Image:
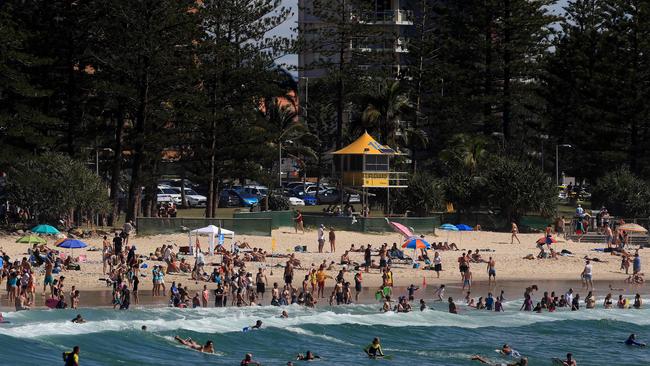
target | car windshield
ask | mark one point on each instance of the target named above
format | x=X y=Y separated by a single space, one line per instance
x=190 y=192
x=264 y=192
x=169 y=191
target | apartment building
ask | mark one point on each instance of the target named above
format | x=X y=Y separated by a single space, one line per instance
x=381 y=40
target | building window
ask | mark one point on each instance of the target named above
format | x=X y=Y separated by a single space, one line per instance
x=376 y=163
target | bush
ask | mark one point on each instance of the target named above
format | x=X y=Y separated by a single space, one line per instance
x=52 y=185
x=423 y=195
x=278 y=203
x=516 y=188
x=623 y=194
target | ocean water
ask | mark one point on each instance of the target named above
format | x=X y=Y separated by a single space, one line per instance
x=337 y=334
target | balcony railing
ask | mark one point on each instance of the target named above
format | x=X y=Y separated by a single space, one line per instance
x=384 y=17
x=367 y=44
x=375 y=179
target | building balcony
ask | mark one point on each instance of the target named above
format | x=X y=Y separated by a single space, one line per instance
x=378 y=44
x=381 y=179
x=388 y=17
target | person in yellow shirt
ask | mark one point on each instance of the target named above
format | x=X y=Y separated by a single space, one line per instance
x=71 y=358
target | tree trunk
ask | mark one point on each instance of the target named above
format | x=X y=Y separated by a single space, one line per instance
x=116 y=169
x=507 y=113
x=139 y=146
x=487 y=82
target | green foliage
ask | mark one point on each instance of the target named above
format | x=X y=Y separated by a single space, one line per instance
x=623 y=193
x=52 y=185
x=278 y=203
x=423 y=195
x=516 y=188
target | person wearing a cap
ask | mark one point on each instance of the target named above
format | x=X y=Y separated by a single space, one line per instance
x=321 y=238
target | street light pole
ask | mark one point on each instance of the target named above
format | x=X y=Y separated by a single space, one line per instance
x=557 y=166
x=280 y=164
x=557 y=161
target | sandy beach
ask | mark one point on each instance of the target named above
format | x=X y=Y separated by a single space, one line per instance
x=511 y=267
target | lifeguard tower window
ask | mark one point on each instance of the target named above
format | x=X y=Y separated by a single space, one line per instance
x=354 y=163
x=376 y=163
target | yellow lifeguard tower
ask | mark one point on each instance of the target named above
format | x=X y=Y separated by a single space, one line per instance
x=365 y=163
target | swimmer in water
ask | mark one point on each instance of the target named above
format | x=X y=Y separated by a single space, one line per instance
x=189 y=342
x=569 y=360
x=258 y=325
x=631 y=341
x=309 y=356
x=284 y=314
x=373 y=350
x=144 y=328
x=71 y=358
x=78 y=319
x=522 y=362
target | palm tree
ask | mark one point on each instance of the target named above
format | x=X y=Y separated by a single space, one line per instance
x=285 y=131
x=382 y=109
x=467 y=150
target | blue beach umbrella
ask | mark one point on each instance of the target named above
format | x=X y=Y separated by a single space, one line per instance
x=463 y=227
x=72 y=244
x=448 y=227
x=45 y=229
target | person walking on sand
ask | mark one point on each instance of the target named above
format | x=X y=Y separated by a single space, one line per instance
x=492 y=271
x=514 y=230
x=332 y=237
x=299 y=222
x=587 y=275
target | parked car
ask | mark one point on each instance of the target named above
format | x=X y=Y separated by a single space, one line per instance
x=295 y=201
x=332 y=195
x=234 y=198
x=309 y=190
x=193 y=199
x=309 y=200
x=167 y=194
x=259 y=191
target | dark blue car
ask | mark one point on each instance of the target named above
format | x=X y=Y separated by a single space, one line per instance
x=235 y=198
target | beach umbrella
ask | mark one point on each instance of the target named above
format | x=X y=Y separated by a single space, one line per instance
x=448 y=228
x=45 y=229
x=463 y=227
x=416 y=243
x=31 y=239
x=401 y=229
x=72 y=244
x=633 y=228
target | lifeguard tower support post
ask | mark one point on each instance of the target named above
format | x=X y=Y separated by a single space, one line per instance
x=365 y=164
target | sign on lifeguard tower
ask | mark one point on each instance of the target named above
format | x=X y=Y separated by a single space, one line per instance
x=365 y=163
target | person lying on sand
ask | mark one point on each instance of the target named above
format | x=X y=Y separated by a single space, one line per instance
x=189 y=342
x=594 y=259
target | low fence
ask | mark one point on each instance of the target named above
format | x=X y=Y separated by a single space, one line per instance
x=278 y=218
x=372 y=224
x=241 y=226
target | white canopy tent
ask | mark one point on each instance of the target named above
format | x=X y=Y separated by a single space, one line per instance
x=212 y=232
